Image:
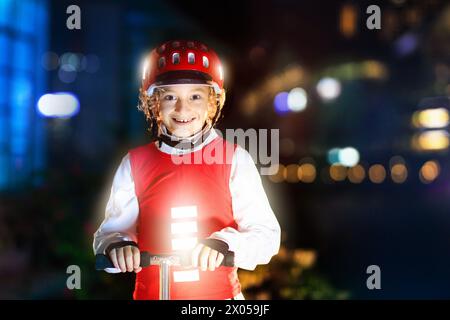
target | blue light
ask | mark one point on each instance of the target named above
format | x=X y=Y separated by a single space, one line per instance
x=4 y=45
x=23 y=37
x=406 y=44
x=333 y=156
x=6 y=12
x=23 y=55
x=58 y=105
x=281 y=103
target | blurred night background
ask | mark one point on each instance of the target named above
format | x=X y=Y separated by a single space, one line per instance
x=363 y=116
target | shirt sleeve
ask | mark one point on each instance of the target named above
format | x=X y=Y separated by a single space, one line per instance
x=121 y=212
x=258 y=236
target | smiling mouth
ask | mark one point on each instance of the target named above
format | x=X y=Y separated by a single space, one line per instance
x=183 y=121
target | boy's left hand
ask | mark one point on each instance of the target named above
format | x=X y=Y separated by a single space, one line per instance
x=206 y=258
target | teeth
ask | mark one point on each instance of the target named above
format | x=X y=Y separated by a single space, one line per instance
x=180 y=120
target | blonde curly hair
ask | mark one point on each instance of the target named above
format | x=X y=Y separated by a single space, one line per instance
x=150 y=106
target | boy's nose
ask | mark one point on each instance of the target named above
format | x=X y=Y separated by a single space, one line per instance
x=181 y=105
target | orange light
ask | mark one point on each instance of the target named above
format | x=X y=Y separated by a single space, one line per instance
x=338 y=172
x=280 y=174
x=399 y=173
x=377 y=173
x=356 y=174
x=347 y=21
x=431 y=140
x=429 y=171
x=306 y=172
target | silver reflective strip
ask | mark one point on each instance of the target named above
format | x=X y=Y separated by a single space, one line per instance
x=186 y=275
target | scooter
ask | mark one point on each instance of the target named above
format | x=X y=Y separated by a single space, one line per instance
x=164 y=261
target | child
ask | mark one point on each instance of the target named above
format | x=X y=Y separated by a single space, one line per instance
x=164 y=206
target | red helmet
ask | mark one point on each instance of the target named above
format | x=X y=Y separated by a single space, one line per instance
x=181 y=61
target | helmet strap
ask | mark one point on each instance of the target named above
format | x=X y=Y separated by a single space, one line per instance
x=185 y=143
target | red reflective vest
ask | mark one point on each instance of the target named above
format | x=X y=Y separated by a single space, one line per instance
x=161 y=184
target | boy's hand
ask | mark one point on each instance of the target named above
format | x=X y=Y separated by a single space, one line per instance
x=126 y=258
x=206 y=258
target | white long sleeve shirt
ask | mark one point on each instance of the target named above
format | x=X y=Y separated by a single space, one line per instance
x=257 y=238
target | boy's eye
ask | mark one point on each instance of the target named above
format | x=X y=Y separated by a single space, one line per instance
x=169 y=97
x=196 y=97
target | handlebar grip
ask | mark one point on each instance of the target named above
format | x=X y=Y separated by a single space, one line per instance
x=228 y=260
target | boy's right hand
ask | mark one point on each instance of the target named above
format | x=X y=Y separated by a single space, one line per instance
x=127 y=258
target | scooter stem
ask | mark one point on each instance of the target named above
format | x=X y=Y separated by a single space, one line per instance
x=164 y=279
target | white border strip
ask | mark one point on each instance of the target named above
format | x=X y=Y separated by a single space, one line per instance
x=183 y=212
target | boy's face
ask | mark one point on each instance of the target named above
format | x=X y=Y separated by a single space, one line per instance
x=184 y=108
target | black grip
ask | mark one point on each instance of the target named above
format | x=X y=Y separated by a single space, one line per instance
x=228 y=260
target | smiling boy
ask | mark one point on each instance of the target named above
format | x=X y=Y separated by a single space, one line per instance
x=160 y=206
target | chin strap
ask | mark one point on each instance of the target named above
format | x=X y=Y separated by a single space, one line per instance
x=184 y=143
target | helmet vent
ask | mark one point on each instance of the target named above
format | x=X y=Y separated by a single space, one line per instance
x=161 y=62
x=205 y=62
x=191 y=58
x=176 y=58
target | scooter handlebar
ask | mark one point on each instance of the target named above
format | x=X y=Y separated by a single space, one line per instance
x=103 y=262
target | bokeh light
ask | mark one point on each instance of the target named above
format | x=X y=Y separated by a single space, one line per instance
x=348 y=19
x=348 y=157
x=338 y=172
x=280 y=173
x=333 y=156
x=406 y=44
x=328 y=89
x=71 y=59
x=281 y=103
x=356 y=174
x=431 y=140
x=377 y=173
x=67 y=73
x=431 y=118
x=429 y=171
x=58 y=105
x=297 y=99
x=306 y=172
x=399 y=173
